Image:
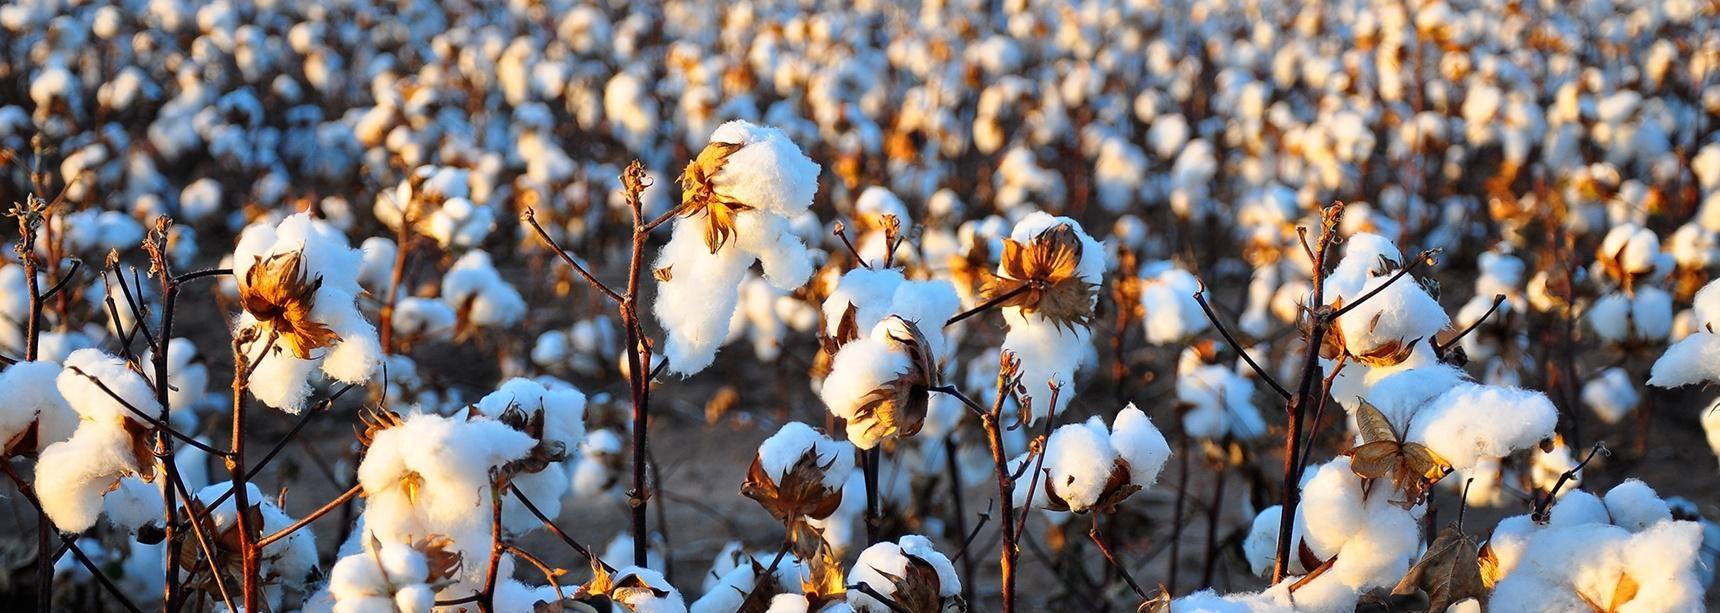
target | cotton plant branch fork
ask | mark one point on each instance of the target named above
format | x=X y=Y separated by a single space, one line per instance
x=639 y=368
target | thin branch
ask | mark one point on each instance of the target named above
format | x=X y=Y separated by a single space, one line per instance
x=1498 y=299
x=664 y=218
x=841 y=232
x=349 y=494
x=769 y=573
x=1200 y=297
x=1423 y=258
x=76 y=264
x=548 y=573
x=1542 y=506
x=199 y=274
x=1093 y=533
x=548 y=523
x=988 y=304
x=30 y=495
x=530 y=217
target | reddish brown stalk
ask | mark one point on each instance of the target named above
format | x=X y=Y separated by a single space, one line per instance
x=396 y=277
x=1320 y=322
x=488 y=602
x=349 y=494
x=1009 y=550
x=1093 y=533
x=235 y=461
x=1042 y=442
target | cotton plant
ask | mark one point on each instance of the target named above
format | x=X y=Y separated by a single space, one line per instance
x=888 y=349
x=392 y=576
x=736 y=201
x=298 y=286
x=284 y=565
x=1217 y=400
x=554 y=416
x=438 y=202
x=1047 y=284
x=1167 y=297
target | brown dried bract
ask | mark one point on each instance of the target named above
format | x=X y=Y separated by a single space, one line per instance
x=1040 y=277
x=277 y=293
x=699 y=194
x=1449 y=572
x=800 y=494
x=898 y=408
x=1413 y=467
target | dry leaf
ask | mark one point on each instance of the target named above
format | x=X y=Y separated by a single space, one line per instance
x=1413 y=467
x=277 y=293
x=699 y=195
x=1449 y=572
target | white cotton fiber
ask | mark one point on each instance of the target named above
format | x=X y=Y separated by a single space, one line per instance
x=1471 y=421
x=1400 y=313
x=1140 y=444
x=858 y=369
x=127 y=387
x=1078 y=463
x=1172 y=314
x=31 y=397
x=1634 y=506
x=783 y=450
x=1693 y=359
x=768 y=173
x=1611 y=395
x=72 y=475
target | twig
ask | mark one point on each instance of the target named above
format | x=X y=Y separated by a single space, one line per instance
x=349 y=494
x=530 y=217
x=1498 y=299
x=867 y=589
x=76 y=264
x=1093 y=533
x=548 y=573
x=769 y=573
x=988 y=304
x=1200 y=297
x=1424 y=257
x=147 y=418
x=1542 y=506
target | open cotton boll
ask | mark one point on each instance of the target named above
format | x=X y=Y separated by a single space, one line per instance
x=768 y=172
x=859 y=368
x=1611 y=395
x=31 y=397
x=1471 y=421
x=1079 y=460
x=1140 y=444
x=387 y=579
x=376 y=269
x=563 y=409
x=870 y=291
x=1361 y=262
x=285 y=562
x=430 y=474
x=779 y=453
x=1634 y=506
x=1696 y=357
x=698 y=298
x=879 y=563
x=1334 y=492
x=72 y=475
x=1172 y=314
x=475 y=289
x=1047 y=353
x=1399 y=314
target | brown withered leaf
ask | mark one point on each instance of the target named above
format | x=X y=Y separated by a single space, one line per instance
x=699 y=194
x=801 y=492
x=1623 y=592
x=443 y=557
x=277 y=293
x=1160 y=603
x=375 y=420
x=1413 y=467
x=1449 y=572
x=1041 y=275
x=142 y=452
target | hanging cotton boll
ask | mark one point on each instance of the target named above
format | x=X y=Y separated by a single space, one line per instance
x=862 y=388
x=1694 y=358
x=913 y=558
x=1172 y=314
x=32 y=403
x=1140 y=444
x=478 y=294
x=1048 y=328
x=1611 y=395
x=1471 y=421
x=298 y=282
x=187 y=376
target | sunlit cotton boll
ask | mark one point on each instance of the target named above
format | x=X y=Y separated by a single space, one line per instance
x=878 y=563
x=713 y=244
x=73 y=475
x=298 y=283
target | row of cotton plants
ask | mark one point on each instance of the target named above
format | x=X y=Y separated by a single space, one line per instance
x=817 y=306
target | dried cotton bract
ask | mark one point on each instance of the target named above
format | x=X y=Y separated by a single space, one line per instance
x=1050 y=273
x=910 y=572
x=799 y=472
x=298 y=283
x=737 y=197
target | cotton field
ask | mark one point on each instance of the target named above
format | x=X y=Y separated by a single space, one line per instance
x=874 y=307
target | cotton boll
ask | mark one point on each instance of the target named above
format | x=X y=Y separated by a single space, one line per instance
x=563 y=409
x=1260 y=547
x=1140 y=444
x=474 y=288
x=282 y=381
x=858 y=369
x=1334 y=494
x=1578 y=508
x=72 y=475
x=1078 y=463
x=1693 y=359
x=133 y=504
x=695 y=316
x=1172 y=314
x=1472 y=420
x=31 y=397
x=92 y=403
x=1611 y=395
x=768 y=172
x=871 y=292
x=187 y=377
x=377 y=269
x=883 y=560
x=1399 y=314
x=779 y=453
x=1635 y=507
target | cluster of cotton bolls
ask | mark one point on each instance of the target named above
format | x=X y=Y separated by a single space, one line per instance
x=859 y=184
